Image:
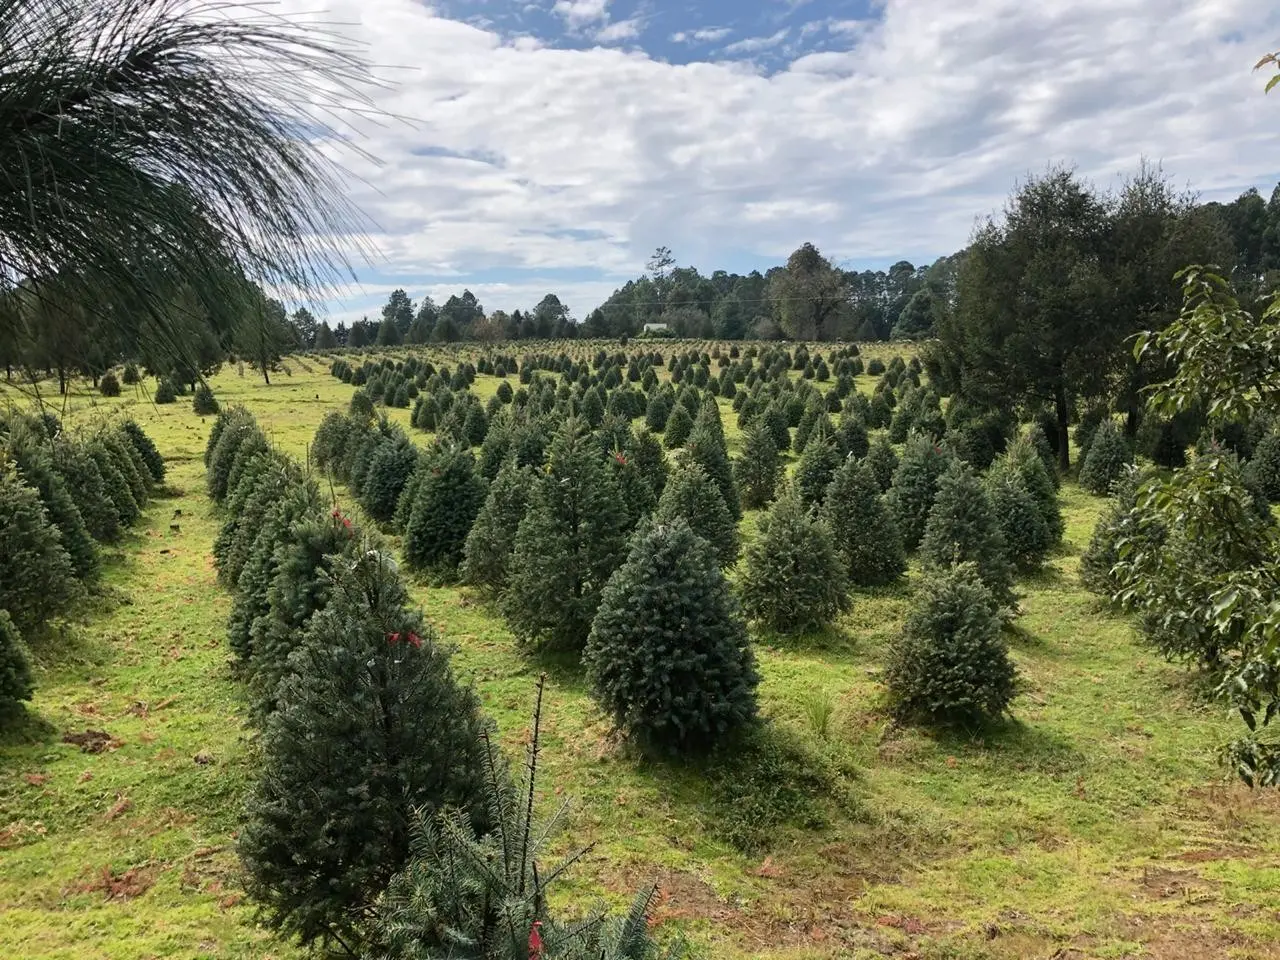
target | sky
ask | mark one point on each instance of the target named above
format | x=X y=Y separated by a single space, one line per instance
x=535 y=146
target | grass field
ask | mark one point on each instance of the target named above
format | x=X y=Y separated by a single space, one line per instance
x=1097 y=824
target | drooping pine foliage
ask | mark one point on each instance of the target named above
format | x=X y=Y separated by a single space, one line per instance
x=668 y=656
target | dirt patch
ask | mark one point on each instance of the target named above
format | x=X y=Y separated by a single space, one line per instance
x=1166 y=884
x=1210 y=854
x=125 y=885
x=92 y=741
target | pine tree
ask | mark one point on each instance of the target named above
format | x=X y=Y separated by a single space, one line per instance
x=146 y=448
x=691 y=496
x=450 y=494
x=389 y=471
x=883 y=462
x=818 y=464
x=951 y=665
x=758 y=469
x=794 y=579
x=708 y=450
x=679 y=426
x=570 y=541
x=668 y=657
x=120 y=496
x=1021 y=459
x=88 y=488
x=370 y=726
x=915 y=482
x=489 y=545
x=1108 y=456
x=204 y=403
x=962 y=528
x=15 y=671
x=37 y=580
x=865 y=535
x=35 y=466
x=1118 y=522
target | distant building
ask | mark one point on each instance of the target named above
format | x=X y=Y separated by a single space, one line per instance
x=657 y=328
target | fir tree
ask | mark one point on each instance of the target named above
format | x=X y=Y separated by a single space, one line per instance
x=120 y=496
x=951 y=665
x=915 y=482
x=88 y=488
x=758 y=469
x=1118 y=522
x=239 y=427
x=883 y=462
x=370 y=726
x=203 y=402
x=1263 y=468
x=570 y=541
x=794 y=579
x=779 y=426
x=657 y=412
x=1022 y=460
x=852 y=435
x=330 y=443
x=489 y=545
x=707 y=449
x=146 y=448
x=109 y=385
x=15 y=671
x=449 y=497
x=1039 y=441
x=1108 y=456
x=644 y=452
x=818 y=464
x=389 y=471
x=37 y=580
x=865 y=535
x=668 y=657
x=35 y=465
x=691 y=496
x=679 y=426
x=962 y=528
x=130 y=464
x=263 y=484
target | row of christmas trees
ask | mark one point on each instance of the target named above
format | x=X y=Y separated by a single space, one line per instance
x=384 y=822
x=60 y=497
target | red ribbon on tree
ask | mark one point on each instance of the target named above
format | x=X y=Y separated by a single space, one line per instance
x=535 y=941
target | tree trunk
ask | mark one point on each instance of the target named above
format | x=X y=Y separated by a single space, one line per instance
x=1064 y=425
x=62 y=380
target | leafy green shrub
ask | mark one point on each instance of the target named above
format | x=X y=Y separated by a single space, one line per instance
x=15 y=671
x=691 y=496
x=204 y=403
x=109 y=386
x=448 y=499
x=962 y=528
x=668 y=657
x=37 y=579
x=1108 y=456
x=951 y=665
x=794 y=579
x=370 y=700
x=864 y=532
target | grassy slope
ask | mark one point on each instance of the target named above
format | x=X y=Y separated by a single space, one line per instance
x=1097 y=825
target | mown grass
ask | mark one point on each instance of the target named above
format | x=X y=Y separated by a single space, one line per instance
x=1096 y=824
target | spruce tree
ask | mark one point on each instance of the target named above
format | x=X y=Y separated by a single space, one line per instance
x=489 y=545
x=450 y=494
x=962 y=528
x=706 y=447
x=915 y=482
x=34 y=462
x=668 y=657
x=370 y=725
x=679 y=426
x=818 y=465
x=1108 y=456
x=146 y=448
x=794 y=579
x=759 y=468
x=691 y=496
x=951 y=665
x=15 y=671
x=120 y=496
x=865 y=535
x=1022 y=460
x=88 y=488
x=37 y=579
x=570 y=541
x=883 y=462
x=389 y=471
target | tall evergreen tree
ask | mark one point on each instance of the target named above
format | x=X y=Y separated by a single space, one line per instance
x=759 y=468
x=691 y=496
x=449 y=496
x=489 y=545
x=818 y=464
x=865 y=534
x=37 y=579
x=570 y=541
x=915 y=483
x=962 y=528
x=1108 y=457
x=370 y=726
x=794 y=579
x=883 y=462
x=668 y=656
x=706 y=447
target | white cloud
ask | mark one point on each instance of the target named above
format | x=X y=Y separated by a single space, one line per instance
x=756 y=44
x=622 y=30
x=576 y=13
x=553 y=163
x=701 y=35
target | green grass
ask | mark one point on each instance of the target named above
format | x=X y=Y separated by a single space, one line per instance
x=1096 y=824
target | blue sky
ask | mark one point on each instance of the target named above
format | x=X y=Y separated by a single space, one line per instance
x=538 y=146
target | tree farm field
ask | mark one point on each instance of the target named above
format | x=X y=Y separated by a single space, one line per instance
x=1096 y=823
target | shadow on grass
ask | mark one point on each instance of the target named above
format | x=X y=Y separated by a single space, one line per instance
x=20 y=727
x=1013 y=744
